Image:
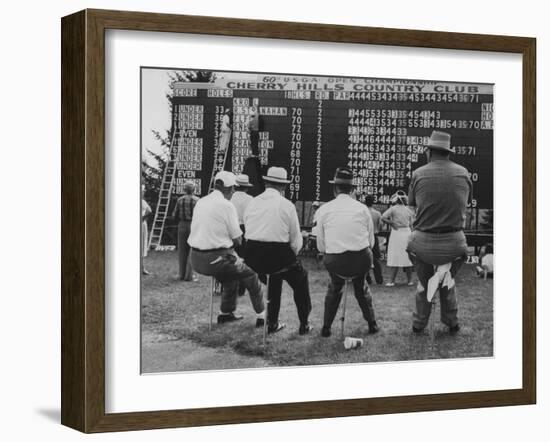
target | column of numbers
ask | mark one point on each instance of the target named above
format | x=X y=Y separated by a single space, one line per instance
x=318 y=145
x=295 y=153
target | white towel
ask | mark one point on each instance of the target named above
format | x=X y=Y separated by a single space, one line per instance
x=442 y=277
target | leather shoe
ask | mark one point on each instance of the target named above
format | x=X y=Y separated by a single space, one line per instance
x=325 y=331
x=373 y=328
x=229 y=317
x=454 y=329
x=275 y=328
x=417 y=330
x=304 y=329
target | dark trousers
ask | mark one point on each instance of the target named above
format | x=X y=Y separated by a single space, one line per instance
x=225 y=266
x=297 y=279
x=348 y=264
x=449 y=303
x=185 y=271
x=254 y=142
x=377 y=266
x=240 y=251
x=279 y=261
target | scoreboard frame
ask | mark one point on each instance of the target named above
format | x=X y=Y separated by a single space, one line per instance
x=83 y=387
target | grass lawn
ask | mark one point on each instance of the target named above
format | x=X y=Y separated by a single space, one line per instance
x=175 y=317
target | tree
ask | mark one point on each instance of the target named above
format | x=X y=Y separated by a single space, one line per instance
x=153 y=165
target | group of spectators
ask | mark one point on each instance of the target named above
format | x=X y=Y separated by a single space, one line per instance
x=238 y=240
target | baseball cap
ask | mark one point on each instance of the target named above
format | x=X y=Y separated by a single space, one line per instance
x=228 y=178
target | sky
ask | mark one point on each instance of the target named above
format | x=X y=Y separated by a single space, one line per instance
x=155 y=107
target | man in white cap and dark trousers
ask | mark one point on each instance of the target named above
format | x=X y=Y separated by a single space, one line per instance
x=273 y=240
x=215 y=232
x=345 y=234
x=440 y=190
x=240 y=200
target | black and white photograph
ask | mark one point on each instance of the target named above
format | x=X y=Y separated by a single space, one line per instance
x=301 y=220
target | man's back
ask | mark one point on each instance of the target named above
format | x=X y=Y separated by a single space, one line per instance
x=185 y=206
x=376 y=217
x=215 y=223
x=270 y=217
x=440 y=190
x=241 y=200
x=344 y=224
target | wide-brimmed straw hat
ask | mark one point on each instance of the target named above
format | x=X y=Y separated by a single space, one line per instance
x=342 y=175
x=243 y=181
x=440 y=141
x=276 y=175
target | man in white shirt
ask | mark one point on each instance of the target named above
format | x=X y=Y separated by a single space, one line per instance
x=376 y=221
x=345 y=234
x=240 y=200
x=215 y=232
x=273 y=240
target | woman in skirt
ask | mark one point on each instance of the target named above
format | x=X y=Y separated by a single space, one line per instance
x=400 y=218
x=145 y=212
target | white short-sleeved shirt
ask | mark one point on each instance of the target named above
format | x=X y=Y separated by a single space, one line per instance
x=270 y=217
x=344 y=225
x=215 y=223
x=241 y=200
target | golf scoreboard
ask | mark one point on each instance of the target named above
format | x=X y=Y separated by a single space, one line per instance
x=310 y=125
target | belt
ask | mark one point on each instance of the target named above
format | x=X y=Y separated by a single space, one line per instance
x=220 y=249
x=443 y=230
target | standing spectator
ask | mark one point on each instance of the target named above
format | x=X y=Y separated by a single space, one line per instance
x=240 y=200
x=214 y=233
x=376 y=222
x=254 y=127
x=440 y=190
x=400 y=218
x=145 y=212
x=183 y=214
x=273 y=240
x=345 y=234
x=226 y=130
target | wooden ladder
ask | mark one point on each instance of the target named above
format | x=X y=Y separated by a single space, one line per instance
x=164 y=195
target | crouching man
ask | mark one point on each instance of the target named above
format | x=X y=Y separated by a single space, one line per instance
x=345 y=234
x=440 y=190
x=273 y=240
x=215 y=232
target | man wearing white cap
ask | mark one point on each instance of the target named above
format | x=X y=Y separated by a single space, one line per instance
x=215 y=232
x=345 y=234
x=273 y=240
x=440 y=190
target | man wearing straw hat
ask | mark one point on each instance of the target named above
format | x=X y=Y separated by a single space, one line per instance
x=240 y=200
x=215 y=232
x=345 y=234
x=273 y=240
x=440 y=190
x=183 y=214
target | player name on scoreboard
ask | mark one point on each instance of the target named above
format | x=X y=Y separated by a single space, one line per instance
x=311 y=125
